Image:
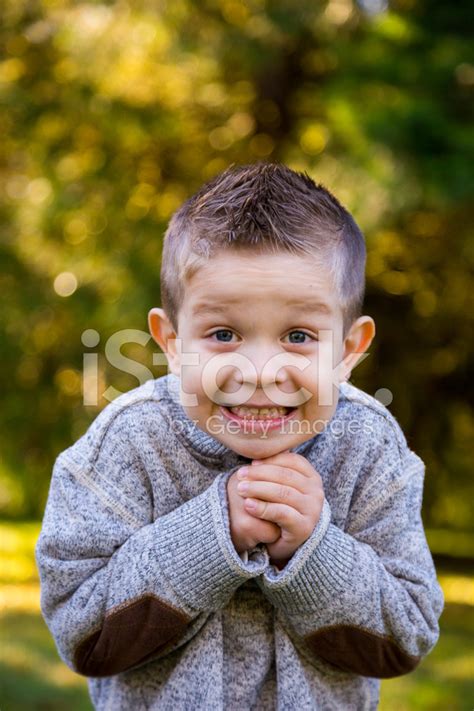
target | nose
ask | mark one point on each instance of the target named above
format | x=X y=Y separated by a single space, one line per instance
x=274 y=370
x=263 y=365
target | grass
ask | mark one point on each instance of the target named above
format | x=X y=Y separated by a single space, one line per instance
x=33 y=677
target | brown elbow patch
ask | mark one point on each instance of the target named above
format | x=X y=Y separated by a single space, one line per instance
x=354 y=649
x=129 y=636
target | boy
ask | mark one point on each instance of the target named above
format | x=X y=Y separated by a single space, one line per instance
x=160 y=582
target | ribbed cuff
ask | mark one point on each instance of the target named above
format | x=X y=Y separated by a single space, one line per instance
x=318 y=570
x=196 y=553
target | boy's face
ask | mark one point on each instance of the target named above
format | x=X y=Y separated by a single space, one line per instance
x=266 y=330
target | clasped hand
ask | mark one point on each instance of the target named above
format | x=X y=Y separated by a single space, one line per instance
x=284 y=489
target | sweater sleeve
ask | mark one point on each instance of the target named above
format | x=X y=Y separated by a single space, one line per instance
x=365 y=600
x=117 y=587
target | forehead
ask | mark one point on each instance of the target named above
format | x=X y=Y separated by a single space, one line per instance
x=280 y=280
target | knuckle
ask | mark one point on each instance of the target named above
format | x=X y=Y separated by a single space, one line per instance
x=246 y=525
x=270 y=531
x=284 y=493
x=284 y=515
x=318 y=478
x=289 y=537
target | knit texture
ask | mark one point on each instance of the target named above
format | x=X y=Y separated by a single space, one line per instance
x=146 y=596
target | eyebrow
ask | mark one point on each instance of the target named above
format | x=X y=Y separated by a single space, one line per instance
x=302 y=304
x=310 y=305
x=203 y=309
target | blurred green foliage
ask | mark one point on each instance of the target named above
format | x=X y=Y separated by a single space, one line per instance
x=113 y=113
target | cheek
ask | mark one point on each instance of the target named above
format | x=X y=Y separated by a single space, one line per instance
x=196 y=380
x=218 y=378
x=321 y=381
x=191 y=379
x=308 y=378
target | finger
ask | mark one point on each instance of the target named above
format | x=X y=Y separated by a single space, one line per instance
x=292 y=460
x=283 y=515
x=278 y=493
x=278 y=475
x=264 y=531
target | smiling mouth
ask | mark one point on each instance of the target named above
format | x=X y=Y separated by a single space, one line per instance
x=262 y=414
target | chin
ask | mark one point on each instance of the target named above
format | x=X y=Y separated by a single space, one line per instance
x=258 y=450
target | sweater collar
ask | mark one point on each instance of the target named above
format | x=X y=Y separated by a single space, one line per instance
x=197 y=439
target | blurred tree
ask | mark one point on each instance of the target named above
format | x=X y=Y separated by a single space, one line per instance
x=114 y=113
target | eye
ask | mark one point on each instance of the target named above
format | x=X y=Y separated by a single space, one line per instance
x=225 y=332
x=300 y=338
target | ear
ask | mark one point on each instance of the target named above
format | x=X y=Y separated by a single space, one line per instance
x=357 y=341
x=164 y=334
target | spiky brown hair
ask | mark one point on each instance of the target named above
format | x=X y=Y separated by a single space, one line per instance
x=264 y=207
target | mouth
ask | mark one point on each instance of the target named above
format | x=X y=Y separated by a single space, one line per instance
x=252 y=417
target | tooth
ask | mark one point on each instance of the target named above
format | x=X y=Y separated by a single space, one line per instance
x=261 y=413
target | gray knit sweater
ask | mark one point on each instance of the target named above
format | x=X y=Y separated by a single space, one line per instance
x=145 y=594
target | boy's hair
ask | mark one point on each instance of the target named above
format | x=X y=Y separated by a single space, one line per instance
x=263 y=207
